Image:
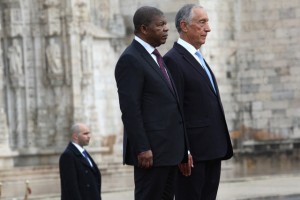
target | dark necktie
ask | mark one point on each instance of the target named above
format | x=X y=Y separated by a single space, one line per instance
x=205 y=69
x=87 y=157
x=162 y=68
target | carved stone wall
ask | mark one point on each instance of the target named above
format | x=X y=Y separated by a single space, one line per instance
x=52 y=75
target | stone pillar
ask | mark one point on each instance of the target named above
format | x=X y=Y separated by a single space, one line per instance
x=17 y=78
x=55 y=90
x=5 y=151
x=15 y=82
x=4 y=145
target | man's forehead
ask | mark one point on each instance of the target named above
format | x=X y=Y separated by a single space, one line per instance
x=84 y=129
x=200 y=12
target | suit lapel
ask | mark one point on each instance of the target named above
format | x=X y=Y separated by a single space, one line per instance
x=196 y=65
x=94 y=168
x=79 y=155
x=173 y=84
x=214 y=79
x=147 y=57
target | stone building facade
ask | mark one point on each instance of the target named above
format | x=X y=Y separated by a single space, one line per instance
x=57 y=61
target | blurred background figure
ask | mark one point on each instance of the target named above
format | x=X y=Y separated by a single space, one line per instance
x=79 y=174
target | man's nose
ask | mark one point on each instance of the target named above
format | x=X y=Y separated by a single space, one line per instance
x=207 y=28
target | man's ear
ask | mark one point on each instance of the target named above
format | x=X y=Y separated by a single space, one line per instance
x=75 y=136
x=184 y=26
x=143 y=29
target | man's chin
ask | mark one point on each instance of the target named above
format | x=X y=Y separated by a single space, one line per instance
x=161 y=42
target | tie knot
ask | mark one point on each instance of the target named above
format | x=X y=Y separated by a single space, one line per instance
x=156 y=53
x=85 y=153
x=199 y=54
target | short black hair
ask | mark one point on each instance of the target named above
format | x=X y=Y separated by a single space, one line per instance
x=144 y=16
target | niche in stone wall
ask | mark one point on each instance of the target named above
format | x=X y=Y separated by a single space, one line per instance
x=54 y=113
x=15 y=84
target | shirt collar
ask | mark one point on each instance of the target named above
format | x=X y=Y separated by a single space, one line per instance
x=190 y=48
x=147 y=46
x=78 y=147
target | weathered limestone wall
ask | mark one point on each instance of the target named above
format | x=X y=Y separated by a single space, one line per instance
x=57 y=60
x=253 y=50
x=268 y=66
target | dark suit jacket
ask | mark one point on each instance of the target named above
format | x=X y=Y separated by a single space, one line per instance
x=203 y=111
x=150 y=110
x=79 y=181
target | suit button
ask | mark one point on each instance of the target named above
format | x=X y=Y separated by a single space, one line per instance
x=86 y=171
x=87 y=185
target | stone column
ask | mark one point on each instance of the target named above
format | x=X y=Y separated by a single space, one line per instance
x=5 y=151
x=55 y=72
x=56 y=78
x=16 y=75
x=3 y=123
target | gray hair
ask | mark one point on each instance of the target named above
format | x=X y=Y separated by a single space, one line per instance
x=184 y=14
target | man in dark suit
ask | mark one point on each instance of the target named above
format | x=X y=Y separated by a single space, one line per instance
x=154 y=137
x=79 y=174
x=202 y=108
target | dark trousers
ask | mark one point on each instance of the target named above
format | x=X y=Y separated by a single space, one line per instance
x=157 y=183
x=202 y=184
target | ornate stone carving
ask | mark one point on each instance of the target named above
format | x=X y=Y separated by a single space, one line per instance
x=104 y=13
x=13 y=22
x=86 y=61
x=81 y=10
x=15 y=58
x=51 y=17
x=54 y=63
x=117 y=26
x=51 y=3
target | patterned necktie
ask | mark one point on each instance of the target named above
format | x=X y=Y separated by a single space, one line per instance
x=162 y=68
x=87 y=157
x=198 y=54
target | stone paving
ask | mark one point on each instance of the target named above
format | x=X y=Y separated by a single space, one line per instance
x=273 y=187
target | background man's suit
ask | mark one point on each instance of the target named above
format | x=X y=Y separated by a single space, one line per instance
x=79 y=181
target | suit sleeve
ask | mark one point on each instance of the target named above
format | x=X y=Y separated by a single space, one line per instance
x=68 y=175
x=130 y=81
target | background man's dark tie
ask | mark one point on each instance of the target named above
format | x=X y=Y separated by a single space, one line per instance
x=87 y=157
